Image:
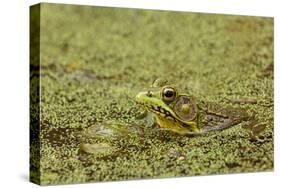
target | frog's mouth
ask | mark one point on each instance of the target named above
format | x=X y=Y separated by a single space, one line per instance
x=154 y=104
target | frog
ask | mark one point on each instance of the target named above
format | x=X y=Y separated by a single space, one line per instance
x=183 y=114
x=167 y=109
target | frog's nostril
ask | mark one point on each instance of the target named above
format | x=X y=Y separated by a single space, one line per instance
x=149 y=94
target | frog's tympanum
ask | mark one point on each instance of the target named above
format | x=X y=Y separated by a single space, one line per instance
x=184 y=115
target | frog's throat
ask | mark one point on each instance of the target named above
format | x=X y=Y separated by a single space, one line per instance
x=177 y=126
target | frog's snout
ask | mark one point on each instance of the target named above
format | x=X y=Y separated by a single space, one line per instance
x=140 y=96
x=144 y=97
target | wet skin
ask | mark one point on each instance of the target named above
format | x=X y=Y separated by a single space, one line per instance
x=182 y=114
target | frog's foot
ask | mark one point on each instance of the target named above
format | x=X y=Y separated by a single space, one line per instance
x=101 y=130
x=144 y=120
x=254 y=128
x=110 y=129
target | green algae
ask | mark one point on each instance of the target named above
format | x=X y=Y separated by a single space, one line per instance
x=95 y=60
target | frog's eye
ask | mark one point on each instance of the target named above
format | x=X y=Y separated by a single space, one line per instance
x=168 y=94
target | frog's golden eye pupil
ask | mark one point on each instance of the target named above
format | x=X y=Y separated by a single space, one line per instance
x=169 y=94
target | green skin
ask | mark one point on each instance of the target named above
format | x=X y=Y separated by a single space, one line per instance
x=185 y=118
x=165 y=116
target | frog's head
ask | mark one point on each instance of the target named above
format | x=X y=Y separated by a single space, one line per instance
x=164 y=100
